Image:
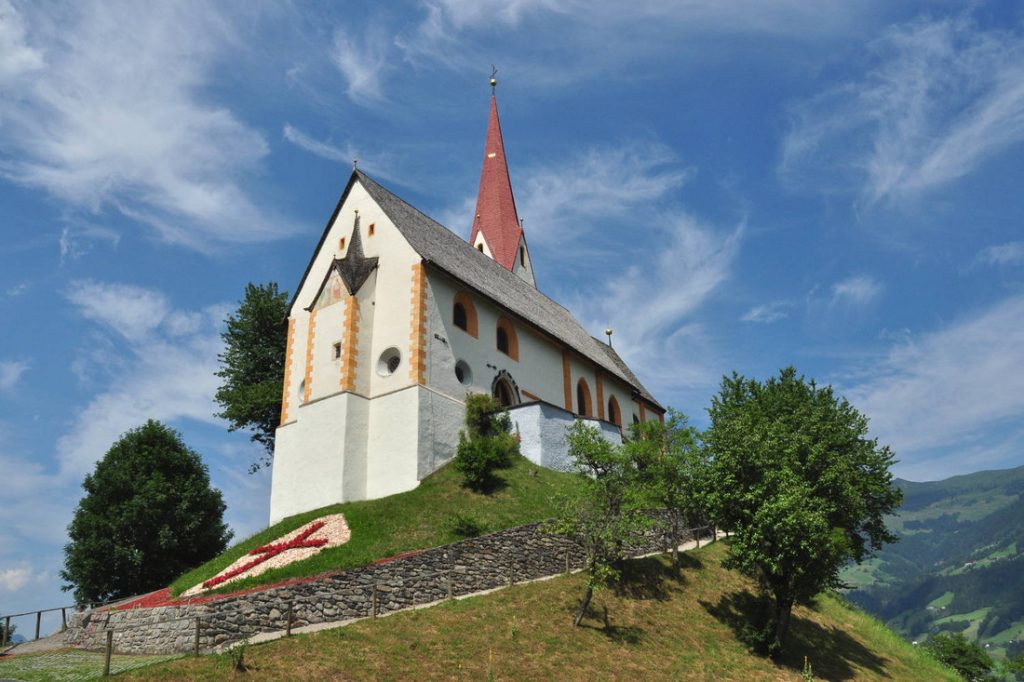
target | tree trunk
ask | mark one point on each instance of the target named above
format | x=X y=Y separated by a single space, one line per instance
x=783 y=609
x=583 y=606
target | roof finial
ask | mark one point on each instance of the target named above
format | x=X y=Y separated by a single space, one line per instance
x=355 y=163
x=608 y=332
x=494 y=80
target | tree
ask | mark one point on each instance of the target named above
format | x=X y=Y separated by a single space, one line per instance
x=148 y=515
x=486 y=445
x=794 y=474
x=606 y=510
x=961 y=654
x=6 y=633
x=671 y=465
x=252 y=365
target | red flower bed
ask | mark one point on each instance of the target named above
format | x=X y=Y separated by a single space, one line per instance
x=269 y=551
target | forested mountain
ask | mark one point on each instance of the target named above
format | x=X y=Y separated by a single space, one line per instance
x=959 y=565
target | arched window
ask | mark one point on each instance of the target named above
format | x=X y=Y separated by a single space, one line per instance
x=464 y=314
x=480 y=247
x=507 y=341
x=636 y=419
x=583 y=407
x=504 y=389
x=522 y=256
x=614 y=414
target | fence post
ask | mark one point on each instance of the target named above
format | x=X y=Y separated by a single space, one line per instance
x=7 y=629
x=373 y=600
x=110 y=650
x=288 y=629
x=450 y=595
x=63 y=620
x=39 y=618
x=195 y=644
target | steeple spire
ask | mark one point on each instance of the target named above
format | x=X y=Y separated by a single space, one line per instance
x=495 y=219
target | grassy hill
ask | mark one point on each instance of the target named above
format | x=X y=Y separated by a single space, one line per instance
x=663 y=625
x=437 y=512
x=959 y=565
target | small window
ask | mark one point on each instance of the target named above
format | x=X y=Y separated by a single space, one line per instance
x=337 y=350
x=480 y=247
x=302 y=389
x=389 y=362
x=583 y=398
x=636 y=419
x=341 y=244
x=372 y=229
x=459 y=316
x=522 y=256
x=506 y=339
x=463 y=373
x=613 y=413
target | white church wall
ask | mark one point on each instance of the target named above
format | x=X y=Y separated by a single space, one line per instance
x=392 y=445
x=297 y=363
x=542 y=429
x=325 y=372
x=441 y=419
x=308 y=458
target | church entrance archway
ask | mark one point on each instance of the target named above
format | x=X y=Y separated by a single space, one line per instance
x=505 y=390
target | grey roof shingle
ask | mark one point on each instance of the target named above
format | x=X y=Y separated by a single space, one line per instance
x=444 y=249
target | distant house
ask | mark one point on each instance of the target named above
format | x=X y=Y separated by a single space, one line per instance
x=397 y=318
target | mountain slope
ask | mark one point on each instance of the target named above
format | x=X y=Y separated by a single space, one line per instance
x=959 y=565
x=663 y=626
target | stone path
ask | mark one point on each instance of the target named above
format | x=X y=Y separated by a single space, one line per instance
x=271 y=636
x=35 y=646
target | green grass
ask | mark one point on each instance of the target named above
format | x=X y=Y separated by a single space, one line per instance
x=942 y=601
x=70 y=664
x=977 y=614
x=664 y=625
x=418 y=519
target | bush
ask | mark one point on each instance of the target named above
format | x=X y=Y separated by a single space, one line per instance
x=487 y=444
x=961 y=654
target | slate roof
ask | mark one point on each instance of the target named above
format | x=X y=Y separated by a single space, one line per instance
x=441 y=247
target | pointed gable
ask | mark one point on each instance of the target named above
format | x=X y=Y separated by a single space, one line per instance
x=496 y=215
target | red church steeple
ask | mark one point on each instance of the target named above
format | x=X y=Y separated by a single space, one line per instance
x=496 y=218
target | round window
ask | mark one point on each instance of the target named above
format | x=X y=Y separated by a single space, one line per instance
x=463 y=373
x=389 y=362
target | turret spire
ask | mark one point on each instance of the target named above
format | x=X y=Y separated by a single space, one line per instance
x=495 y=218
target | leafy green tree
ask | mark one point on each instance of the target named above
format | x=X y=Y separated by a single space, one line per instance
x=672 y=467
x=252 y=365
x=486 y=445
x=148 y=515
x=961 y=654
x=7 y=632
x=606 y=510
x=795 y=475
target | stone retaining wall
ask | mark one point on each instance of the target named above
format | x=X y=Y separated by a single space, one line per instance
x=495 y=560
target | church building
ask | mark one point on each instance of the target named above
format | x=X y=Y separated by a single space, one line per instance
x=397 y=318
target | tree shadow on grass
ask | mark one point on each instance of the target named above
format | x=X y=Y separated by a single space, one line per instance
x=648 y=579
x=620 y=634
x=833 y=653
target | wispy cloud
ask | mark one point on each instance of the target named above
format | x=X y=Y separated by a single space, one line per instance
x=597 y=185
x=315 y=147
x=1010 y=253
x=77 y=240
x=948 y=393
x=767 y=313
x=131 y=311
x=120 y=116
x=858 y=290
x=12 y=579
x=17 y=57
x=11 y=372
x=940 y=98
x=362 y=60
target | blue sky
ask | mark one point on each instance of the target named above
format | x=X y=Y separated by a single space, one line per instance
x=730 y=185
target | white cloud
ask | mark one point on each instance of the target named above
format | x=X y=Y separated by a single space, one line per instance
x=859 y=290
x=16 y=56
x=10 y=373
x=939 y=99
x=767 y=313
x=131 y=311
x=13 y=579
x=1010 y=253
x=362 y=62
x=948 y=393
x=651 y=306
x=598 y=184
x=315 y=147
x=76 y=241
x=121 y=117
